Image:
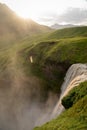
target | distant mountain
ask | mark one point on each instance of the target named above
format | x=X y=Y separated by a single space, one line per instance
x=59 y=26
x=12 y=26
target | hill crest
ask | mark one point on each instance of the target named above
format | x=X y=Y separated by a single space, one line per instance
x=12 y=26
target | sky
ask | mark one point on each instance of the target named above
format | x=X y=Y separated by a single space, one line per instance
x=49 y=12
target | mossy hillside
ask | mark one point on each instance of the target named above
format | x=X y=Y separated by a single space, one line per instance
x=51 y=59
x=13 y=60
x=9 y=49
x=74 y=118
x=75 y=95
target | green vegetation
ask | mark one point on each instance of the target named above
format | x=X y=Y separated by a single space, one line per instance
x=53 y=52
x=75 y=95
x=51 y=59
x=75 y=118
x=69 y=33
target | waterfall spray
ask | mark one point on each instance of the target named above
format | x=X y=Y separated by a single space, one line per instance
x=76 y=74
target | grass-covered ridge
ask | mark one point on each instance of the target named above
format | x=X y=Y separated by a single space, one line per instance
x=75 y=118
x=69 y=33
x=53 y=58
x=53 y=52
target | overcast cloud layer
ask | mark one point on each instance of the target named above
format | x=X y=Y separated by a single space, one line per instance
x=49 y=12
x=71 y=16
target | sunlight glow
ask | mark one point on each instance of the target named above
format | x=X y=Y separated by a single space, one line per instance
x=34 y=9
x=37 y=9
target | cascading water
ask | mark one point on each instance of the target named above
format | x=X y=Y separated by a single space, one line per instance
x=18 y=112
x=76 y=74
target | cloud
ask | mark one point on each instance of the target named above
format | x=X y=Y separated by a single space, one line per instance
x=49 y=18
x=72 y=16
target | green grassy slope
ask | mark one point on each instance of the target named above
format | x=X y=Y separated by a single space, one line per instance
x=75 y=118
x=69 y=33
x=53 y=58
x=75 y=95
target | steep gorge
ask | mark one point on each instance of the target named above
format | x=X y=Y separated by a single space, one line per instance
x=75 y=75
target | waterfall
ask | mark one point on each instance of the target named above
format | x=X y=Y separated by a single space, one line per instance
x=76 y=74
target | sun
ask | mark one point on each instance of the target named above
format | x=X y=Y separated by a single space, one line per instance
x=26 y=13
x=43 y=11
x=38 y=8
x=30 y=9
